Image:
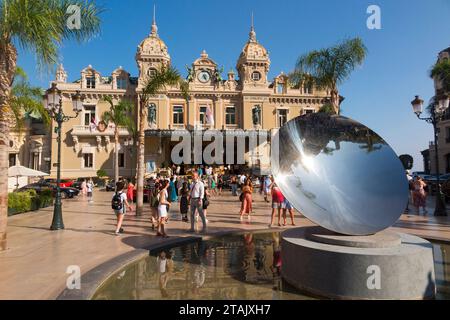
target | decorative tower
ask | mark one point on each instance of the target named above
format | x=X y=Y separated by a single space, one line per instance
x=152 y=53
x=253 y=63
x=61 y=74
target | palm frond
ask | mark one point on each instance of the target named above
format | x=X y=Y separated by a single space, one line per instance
x=330 y=67
x=26 y=100
x=41 y=26
x=119 y=114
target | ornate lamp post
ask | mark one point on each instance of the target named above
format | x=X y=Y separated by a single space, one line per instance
x=129 y=144
x=53 y=105
x=437 y=112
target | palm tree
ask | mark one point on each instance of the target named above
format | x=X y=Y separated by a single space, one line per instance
x=330 y=67
x=120 y=116
x=441 y=72
x=26 y=101
x=39 y=27
x=163 y=77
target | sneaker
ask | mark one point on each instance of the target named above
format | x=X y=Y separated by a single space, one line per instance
x=117 y=233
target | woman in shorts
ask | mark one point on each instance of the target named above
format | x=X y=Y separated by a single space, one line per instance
x=277 y=203
x=120 y=214
x=163 y=208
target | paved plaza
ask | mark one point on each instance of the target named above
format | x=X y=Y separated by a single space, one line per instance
x=35 y=264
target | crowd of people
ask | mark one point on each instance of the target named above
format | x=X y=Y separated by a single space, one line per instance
x=194 y=193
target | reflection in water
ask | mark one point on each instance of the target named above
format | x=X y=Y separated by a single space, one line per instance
x=339 y=173
x=227 y=268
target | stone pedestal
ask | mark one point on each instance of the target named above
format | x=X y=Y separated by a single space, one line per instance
x=387 y=265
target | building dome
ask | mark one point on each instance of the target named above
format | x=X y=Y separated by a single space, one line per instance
x=153 y=46
x=253 y=51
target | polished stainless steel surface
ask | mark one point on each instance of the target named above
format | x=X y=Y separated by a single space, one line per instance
x=339 y=174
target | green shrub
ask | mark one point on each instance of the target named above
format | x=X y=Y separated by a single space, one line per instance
x=101 y=173
x=24 y=201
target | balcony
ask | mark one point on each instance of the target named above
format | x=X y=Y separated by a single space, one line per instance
x=92 y=131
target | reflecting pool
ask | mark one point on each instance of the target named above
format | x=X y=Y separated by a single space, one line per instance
x=245 y=266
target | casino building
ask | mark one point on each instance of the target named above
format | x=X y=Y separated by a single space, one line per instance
x=244 y=103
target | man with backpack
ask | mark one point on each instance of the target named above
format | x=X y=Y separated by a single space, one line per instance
x=119 y=203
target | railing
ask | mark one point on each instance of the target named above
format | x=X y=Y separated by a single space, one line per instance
x=86 y=130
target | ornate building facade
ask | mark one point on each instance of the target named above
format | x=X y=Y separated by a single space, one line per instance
x=443 y=131
x=242 y=104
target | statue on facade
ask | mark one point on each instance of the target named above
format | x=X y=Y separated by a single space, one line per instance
x=151 y=118
x=218 y=75
x=256 y=115
x=191 y=74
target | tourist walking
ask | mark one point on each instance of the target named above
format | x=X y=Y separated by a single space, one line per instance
x=130 y=191
x=246 y=199
x=419 y=195
x=119 y=203
x=172 y=190
x=84 y=187
x=277 y=203
x=90 y=189
x=287 y=207
x=184 y=203
x=163 y=208
x=242 y=180
x=196 y=195
x=219 y=185
x=234 y=185
x=266 y=187
x=154 y=203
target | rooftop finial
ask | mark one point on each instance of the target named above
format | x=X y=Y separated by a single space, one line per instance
x=252 y=34
x=154 y=27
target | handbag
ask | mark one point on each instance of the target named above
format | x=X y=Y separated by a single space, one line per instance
x=205 y=202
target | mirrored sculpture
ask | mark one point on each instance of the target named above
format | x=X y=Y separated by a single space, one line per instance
x=339 y=174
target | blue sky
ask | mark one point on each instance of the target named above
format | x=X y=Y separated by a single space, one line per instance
x=378 y=94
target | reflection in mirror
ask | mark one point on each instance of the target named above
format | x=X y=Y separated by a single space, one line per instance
x=339 y=174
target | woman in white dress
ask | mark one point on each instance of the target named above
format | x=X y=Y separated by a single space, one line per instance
x=163 y=208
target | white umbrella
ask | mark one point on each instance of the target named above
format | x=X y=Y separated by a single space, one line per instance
x=21 y=171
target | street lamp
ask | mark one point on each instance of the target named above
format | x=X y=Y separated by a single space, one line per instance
x=53 y=105
x=129 y=144
x=437 y=111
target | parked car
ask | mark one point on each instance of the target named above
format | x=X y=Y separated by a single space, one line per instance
x=111 y=185
x=65 y=183
x=78 y=182
x=66 y=192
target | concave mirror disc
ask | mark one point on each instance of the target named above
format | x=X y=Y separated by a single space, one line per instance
x=339 y=174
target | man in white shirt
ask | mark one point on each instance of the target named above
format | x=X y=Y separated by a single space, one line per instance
x=242 y=179
x=196 y=196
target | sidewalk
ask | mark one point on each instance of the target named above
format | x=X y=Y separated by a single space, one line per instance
x=34 y=266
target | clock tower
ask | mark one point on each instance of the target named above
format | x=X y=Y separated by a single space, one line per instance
x=204 y=71
x=253 y=63
x=152 y=54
